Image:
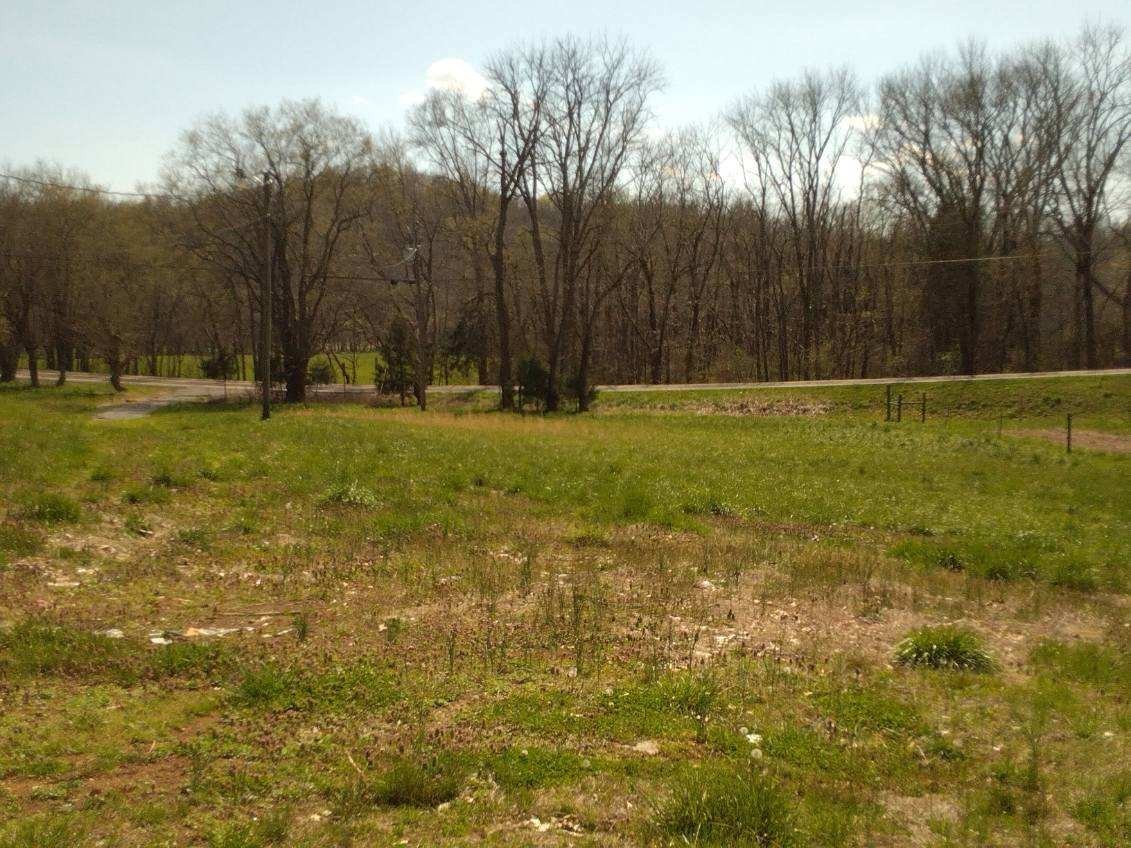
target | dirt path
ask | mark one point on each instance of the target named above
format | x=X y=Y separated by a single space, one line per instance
x=1088 y=439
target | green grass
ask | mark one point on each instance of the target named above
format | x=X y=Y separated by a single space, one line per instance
x=949 y=648
x=727 y=807
x=451 y=624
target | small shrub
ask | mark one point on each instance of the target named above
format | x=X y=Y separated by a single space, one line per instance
x=533 y=382
x=717 y=806
x=944 y=647
x=321 y=373
x=50 y=508
x=350 y=494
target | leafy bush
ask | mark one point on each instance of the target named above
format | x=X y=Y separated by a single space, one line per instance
x=321 y=372
x=222 y=366
x=944 y=647
x=50 y=508
x=716 y=806
x=533 y=382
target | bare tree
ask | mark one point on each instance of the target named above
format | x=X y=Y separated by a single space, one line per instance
x=484 y=146
x=797 y=136
x=595 y=110
x=1098 y=110
x=320 y=165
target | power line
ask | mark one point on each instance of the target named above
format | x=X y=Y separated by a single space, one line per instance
x=87 y=189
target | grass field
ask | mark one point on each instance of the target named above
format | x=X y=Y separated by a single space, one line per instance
x=761 y=618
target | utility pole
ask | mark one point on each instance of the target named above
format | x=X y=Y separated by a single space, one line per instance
x=265 y=295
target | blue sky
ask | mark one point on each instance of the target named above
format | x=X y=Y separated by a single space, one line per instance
x=108 y=86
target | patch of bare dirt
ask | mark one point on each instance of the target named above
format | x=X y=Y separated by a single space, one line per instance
x=1087 y=439
x=754 y=407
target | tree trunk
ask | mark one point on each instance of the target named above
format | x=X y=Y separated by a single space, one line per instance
x=1127 y=321
x=1091 y=355
x=296 y=379
x=9 y=361
x=32 y=365
x=502 y=316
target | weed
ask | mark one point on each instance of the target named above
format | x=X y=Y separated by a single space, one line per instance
x=137 y=526
x=350 y=494
x=945 y=648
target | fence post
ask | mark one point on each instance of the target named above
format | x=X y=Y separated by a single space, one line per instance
x=887 y=402
x=923 y=409
x=899 y=408
x=1068 y=433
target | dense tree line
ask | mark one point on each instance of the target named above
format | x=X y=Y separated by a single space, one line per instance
x=970 y=213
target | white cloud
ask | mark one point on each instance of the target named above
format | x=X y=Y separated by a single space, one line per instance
x=448 y=74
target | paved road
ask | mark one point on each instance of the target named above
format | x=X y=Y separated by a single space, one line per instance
x=218 y=388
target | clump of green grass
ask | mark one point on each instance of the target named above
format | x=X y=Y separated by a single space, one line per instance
x=50 y=508
x=137 y=526
x=1071 y=575
x=35 y=648
x=1106 y=668
x=721 y=806
x=194 y=537
x=1105 y=809
x=145 y=495
x=18 y=541
x=166 y=478
x=533 y=767
x=356 y=686
x=420 y=783
x=350 y=494
x=945 y=648
x=45 y=831
x=269 y=830
x=32 y=648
